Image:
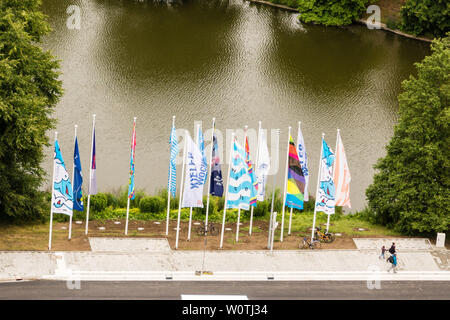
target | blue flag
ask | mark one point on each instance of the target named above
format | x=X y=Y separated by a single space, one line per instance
x=201 y=145
x=216 y=186
x=77 y=180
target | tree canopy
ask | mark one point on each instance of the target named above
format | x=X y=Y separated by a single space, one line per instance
x=29 y=90
x=426 y=17
x=411 y=189
x=331 y=12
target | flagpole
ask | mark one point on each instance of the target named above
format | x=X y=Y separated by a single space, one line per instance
x=90 y=176
x=317 y=190
x=181 y=188
x=133 y=155
x=256 y=175
x=269 y=241
x=170 y=179
x=210 y=175
x=73 y=182
x=51 y=205
x=334 y=168
x=285 y=186
x=226 y=191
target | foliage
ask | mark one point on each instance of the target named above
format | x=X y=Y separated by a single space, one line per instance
x=423 y=17
x=29 y=90
x=152 y=204
x=411 y=190
x=262 y=207
x=99 y=202
x=331 y=12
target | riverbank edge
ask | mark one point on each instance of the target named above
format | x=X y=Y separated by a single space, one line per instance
x=361 y=21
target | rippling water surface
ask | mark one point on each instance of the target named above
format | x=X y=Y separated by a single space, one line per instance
x=232 y=60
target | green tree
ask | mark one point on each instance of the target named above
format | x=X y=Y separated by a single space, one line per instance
x=426 y=17
x=411 y=190
x=331 y=12
x=29 y=90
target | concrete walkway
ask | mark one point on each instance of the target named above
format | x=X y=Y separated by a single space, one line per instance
x=111 y=260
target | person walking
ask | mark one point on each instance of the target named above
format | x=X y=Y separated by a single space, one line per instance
x=383 y=250
x=393 y=260
x=392 y=248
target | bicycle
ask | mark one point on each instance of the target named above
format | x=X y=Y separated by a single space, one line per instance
x=211 y=229
x=307 y=244
x=327 y=237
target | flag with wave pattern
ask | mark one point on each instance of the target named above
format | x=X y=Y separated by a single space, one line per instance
x=240 y=183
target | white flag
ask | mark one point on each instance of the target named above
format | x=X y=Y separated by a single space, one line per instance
x=301 y=150
x=62 y=196
x=263 y=165
x=196 y=171
x=341 y=176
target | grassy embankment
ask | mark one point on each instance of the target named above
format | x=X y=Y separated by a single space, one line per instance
x=35 y=236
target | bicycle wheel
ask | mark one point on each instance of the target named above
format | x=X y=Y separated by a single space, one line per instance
x=201 y=231
x=316 y=245
x=303 y=245
x=330 y=237
x=212 y=230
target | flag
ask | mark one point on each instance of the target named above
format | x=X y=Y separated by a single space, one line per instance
x=131 y=186
x=62 y=196
x=341 y=175
x=77 y=179
x=172 y=183
x=196 y=170
x=296 y=180
x=240 y=184
x=93 y=177
x=325 y=194
x=201 y=145
x=254 y=188
x=263 y=165
x=303 y=161
x=216 y=186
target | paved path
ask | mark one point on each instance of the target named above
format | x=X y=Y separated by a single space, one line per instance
x=402 y=243
x=315 y=290
x=153 y=260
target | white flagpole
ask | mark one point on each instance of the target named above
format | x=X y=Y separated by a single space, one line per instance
x=170 y=180
x=226 y=191
x=128 y=201
x=256 y=176
x=90 y=175
x=181 y=188
x=317 y=190
x=51 y=205
x=273 y=197
x=73 y=181
x=285 y=186
x=290 y=221
x=273 y=231
x=334 y=168
x=209 y=175
x=239 y=210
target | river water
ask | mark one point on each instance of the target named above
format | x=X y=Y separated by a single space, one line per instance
x=229 y=59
